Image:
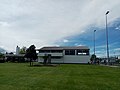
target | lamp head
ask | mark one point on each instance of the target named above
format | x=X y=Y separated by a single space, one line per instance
x=107 y=12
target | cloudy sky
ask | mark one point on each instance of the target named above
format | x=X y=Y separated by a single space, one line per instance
x=60 y=23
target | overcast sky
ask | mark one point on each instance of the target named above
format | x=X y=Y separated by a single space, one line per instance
x=43 y=22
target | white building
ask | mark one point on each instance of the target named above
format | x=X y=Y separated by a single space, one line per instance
x=79 y=54
x=17 y=50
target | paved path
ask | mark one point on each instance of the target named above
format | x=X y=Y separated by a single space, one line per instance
x=109 y=65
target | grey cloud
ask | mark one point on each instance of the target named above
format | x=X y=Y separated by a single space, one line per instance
x=44 y=21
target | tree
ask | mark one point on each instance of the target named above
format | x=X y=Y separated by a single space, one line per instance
x=93 y=58
x=22 y=50
x=2 y=55
x=31 y=54
x=2 y=58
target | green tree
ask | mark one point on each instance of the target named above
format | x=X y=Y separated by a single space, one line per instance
x=1 y=55
x=22 y=50
x=2 y=58
x=31 y=54
x=93 y=58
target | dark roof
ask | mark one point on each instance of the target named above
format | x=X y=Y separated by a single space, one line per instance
x=64 y=48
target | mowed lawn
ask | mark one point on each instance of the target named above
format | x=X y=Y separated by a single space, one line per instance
x=19 y=76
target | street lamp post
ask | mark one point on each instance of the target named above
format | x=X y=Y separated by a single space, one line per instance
x=94 y=41
x=107 y=38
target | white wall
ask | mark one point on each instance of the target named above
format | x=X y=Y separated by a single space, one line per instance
x=70 y=59
x=76 y=59
x=40 y=59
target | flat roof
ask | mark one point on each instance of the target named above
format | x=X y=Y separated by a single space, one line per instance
x=64 y=48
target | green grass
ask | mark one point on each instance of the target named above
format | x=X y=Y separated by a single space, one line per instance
x=19 y=76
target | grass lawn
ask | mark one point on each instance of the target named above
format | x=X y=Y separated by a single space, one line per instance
x=19 y=76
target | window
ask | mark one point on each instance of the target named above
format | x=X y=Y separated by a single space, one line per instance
x=66 y=52
x=56 y=51
x=51 y=51
x=41 y=51
x=87 y=52
x=82 y=52
x=79 y=52
x=56 y=57
x=72 y=52
x=69 y=52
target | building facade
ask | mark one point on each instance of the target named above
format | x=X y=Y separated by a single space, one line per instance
x=79 y=54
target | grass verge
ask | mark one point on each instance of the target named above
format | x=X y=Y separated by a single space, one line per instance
x=19 y=76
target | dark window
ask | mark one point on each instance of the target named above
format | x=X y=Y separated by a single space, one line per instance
x=69 y=52
x=47 y=51
x=87 y=52
x=82 y=52
x=66 y=52
x=72 y=52
x=79 y=52
x=41 y=51
x=56 y=51
x=50 y=51
x=56 y=57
